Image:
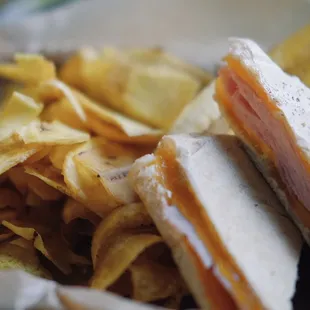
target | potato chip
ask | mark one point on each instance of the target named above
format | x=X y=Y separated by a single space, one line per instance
x=96 y=172
x=29 y=69
x=53 y=133
x=112 y=262
x=122 y=218
x=58 y=154
x=18 y=111
x=16 y=154
x=149 y=286
x=38 y=156
x=33 y=200
x=62 y=90
x=10 y=198
x=13 y=256
x=71 y=71
x=63 y=112
x=157 y=56
x=50 y=244
x=73 y=210
x=18 y=177
x=3 y=178
x=49 y=175
x=42 y=189
x=153 y=94
x=5 y=234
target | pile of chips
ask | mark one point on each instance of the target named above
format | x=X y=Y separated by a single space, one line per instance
x=68 y=137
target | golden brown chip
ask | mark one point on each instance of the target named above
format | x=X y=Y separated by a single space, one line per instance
x=113 y=261
x=96 y=173
x=122 y=218
x=152 y=93
x=33 y=200
x=50 y=244
x=16 y=154
x=18 y=110
x=59 y=90
x=42 y=189
x=39 y=156
x=58 y=154
x=157 y=56
x=13 y=256
x=152 y=281
x=10 y=198
x=29 y=69
x=18 y=177
x=49 y=175
x=62 y=111
x=54 y=133
x=74 y=209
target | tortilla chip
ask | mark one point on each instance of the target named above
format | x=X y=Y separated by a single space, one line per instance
x=125 y=217
x=29 y=69
x=112 y=262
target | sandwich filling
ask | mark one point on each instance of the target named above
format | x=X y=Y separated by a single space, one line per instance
x=262 y=123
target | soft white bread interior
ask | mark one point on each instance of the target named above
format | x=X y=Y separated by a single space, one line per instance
x=248 y=222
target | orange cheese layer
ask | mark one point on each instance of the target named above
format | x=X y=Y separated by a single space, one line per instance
x=261 y=148
x=183 y=197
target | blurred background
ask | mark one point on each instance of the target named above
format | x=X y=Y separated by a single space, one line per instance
x=195 y=30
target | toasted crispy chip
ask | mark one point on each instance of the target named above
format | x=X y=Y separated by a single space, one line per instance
x=49 y=175
x=157 y=56
x=39 y=156
x=10 y=198
x=5 y=234
x=3 y=178
x=152 y=281
x=18 y=177
x=58 y=154
x=125 y=217
x=96 y=172
x=113 y=261
x=17 y=111
x=50 y=244
x=16 y=154
x=62 y=111
x=293 y=52
x=29 y=69
x=33 y=200
x=71 y=71
x=42 y=189
x=53 y=133
x=153 y=93
x=13 y=256
x=60 y=90
x=74 y=209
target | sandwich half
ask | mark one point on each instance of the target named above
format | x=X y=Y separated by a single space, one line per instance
x=270 y=111
x=229 y=234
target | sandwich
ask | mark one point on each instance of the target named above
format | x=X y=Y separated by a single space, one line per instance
x=269 y=111
x=225 y=226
